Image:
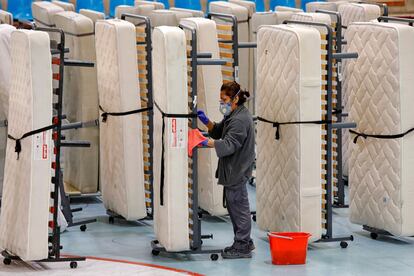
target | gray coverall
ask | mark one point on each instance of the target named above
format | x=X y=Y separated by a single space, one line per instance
x=234 y=145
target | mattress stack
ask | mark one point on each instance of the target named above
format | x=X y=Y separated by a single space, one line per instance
x=27 y=179
x=92 y=15
x=379 y=85
x=121 y=156
x=350 y=13
x=171 y=199
x=44 y=13
x=289 y=83
x=209 y=81
x=224 y=28
x=5 y=65
x=80 y=102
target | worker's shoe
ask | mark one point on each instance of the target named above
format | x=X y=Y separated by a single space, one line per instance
x=251 y=246
x=237 y=253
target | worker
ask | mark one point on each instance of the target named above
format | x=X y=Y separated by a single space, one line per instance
x=234 y=142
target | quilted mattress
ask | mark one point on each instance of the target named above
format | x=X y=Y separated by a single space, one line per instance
x=380 y=86
x=289 y=82
x=194 y=13
x=242 y=15
x=289 y=9
x=26 y=194
x=327 y=6
x=64 y=5
x=209 y=81
x=80 y=102
x=6 y=17
x=157 y=5
x=353 y=13
x=121 y=161
x=171 y=220
x=92 y=15
x=44 y=12
x=5 y=65
x=167 y=17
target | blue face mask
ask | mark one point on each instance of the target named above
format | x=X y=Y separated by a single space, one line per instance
x=225 y=108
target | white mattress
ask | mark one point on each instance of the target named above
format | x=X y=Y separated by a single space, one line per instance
x=121 y=161
x=157 y=5
x=44 y=12
x=312 y=17
x=167 y=17
x=283 y=8
x=209 y=81
x=242 y=15
x=27 y=181
x=380 y=86
x=5 y=65
x=93 y=15
x=80 y=103
x=171 y=220
x=353 y=13
x=194 y=13
x=288 y=196
x=327 y=6
x=6 y=17
x=66 y=6
x=144 y=10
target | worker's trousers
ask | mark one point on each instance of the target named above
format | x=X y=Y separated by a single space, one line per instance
x=237 y=202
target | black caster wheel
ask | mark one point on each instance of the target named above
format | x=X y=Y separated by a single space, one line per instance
x=83 y=228
x=214 y=257
x=73 y=265
x=155 y=252
x=6 y=261
x=254 y=217
x=111 y=220
x=343 y=244
x=374 y=236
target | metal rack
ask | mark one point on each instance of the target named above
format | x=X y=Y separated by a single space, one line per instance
x=328 y=216
x=195 y=59
x=55 y=247
x=144 y=49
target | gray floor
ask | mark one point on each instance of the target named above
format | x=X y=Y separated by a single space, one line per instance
x=131 y=241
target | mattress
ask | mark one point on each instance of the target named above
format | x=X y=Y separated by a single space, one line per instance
x=353 y=13
x=209 y=81
x=6 y=17
x=194 y=13
x=26 y=192
x=121 y=9
x=171 y=220
x=121 y=160
x=44 y=12
x=283 y=8
x=167 y=17
x=288 y=189
x=80 y=102
x=327 y=6
x=5 y=65
x=380 y=85
x=92 y=15
x=66 y=6
x=242 y=15
x=157 y=5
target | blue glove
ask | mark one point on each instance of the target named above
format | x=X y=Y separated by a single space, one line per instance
x=203 y=117
x=204 y=143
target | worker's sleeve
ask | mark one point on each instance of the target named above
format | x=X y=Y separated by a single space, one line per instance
x=234 y=139
x=217 y=130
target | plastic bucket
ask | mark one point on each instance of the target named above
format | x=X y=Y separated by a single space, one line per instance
x=288 y=248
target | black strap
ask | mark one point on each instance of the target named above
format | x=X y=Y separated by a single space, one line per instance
x=167 y=115
x=224 y=198
x=379 y=136
x=278 y=124
x=105 y=114
x=18 y=146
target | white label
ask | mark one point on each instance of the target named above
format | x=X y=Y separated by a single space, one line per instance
x=177 y=135
x=41 y=146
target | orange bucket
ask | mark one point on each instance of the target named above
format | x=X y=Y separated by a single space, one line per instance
x=288 y=248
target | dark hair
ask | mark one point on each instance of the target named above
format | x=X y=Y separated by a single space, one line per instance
x=231 y=88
